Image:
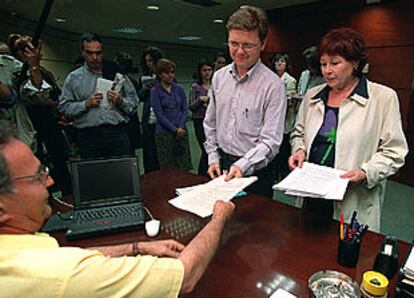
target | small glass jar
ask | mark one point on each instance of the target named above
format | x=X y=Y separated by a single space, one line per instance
x=374 y=285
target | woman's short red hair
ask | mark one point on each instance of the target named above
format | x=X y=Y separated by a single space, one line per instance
x=347 y=43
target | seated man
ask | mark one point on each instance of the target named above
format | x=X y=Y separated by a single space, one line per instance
x=32 y=262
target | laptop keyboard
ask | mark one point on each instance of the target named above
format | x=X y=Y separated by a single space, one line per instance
x=121 y=211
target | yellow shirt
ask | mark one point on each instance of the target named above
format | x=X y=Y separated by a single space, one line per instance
x=35 y=266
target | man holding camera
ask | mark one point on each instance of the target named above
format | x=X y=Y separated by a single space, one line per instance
x=43 y=114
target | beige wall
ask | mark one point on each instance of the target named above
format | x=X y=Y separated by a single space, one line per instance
x=61 y=48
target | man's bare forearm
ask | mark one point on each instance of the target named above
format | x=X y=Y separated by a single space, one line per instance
x=36 y=76
x=116 y=250
x=199 y=252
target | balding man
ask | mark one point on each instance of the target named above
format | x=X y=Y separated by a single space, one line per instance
x=33 y=264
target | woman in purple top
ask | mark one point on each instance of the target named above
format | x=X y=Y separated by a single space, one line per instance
x=170 y=106
x=199 y=98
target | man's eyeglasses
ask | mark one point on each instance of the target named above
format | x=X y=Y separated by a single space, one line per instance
x=41 y=175
x=244 y=45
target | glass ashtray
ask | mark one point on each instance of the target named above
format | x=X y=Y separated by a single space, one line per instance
x=332 y=284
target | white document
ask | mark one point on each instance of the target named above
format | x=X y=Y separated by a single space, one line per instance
x=409 y=264
x=200 y=199
x=148 y=81
x=314 y=181
x=183 y=190
x=103 y=86
x=280 y=293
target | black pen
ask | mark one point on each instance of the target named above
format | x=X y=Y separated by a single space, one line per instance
x=364 y=230
x=351 y=224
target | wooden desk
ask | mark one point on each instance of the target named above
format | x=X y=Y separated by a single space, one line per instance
x=266 y=245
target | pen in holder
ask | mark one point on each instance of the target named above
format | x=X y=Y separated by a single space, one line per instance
x=348 y=252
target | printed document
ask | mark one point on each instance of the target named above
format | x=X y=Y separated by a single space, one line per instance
x=409 y=264
x=200 y=199
x=314 y=181
x=281 y=293
x=103 y=86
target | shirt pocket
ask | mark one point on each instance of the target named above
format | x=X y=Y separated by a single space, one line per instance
x=250 y=121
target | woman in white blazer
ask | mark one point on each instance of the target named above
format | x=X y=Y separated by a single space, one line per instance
x=351 y=124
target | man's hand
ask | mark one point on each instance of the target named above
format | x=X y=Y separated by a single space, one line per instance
x=296 y=159
x=163 y=248
x=355 y=176
x=5 y=92
x=235 y=172
x=223 y=210
x=204 y=98
x=150 y=85
x=198 y=253
x=214 y=170
x=94 y=100
x=32 y=54
x=114 y=97
x=180 y=133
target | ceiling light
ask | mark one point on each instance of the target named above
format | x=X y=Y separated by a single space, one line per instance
x=189 y=38
x=218 y=21
x=60 y=20
x=153 y=7
x=128 y=30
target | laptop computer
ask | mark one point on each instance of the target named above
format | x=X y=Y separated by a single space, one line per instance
x=107 y=197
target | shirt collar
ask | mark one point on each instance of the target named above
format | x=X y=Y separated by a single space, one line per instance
x=251 y=71
x=284 y=75
x=89 y=70
x=359 y=94
x=159 y=86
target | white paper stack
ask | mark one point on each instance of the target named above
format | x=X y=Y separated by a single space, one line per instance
x=409 y=264
x=281 y=293
x=314 y=181
x=103 y=86
x=200 y=199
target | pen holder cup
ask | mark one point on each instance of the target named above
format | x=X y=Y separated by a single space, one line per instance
x=348 y=252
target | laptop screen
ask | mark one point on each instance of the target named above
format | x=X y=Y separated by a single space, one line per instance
x=99 y=182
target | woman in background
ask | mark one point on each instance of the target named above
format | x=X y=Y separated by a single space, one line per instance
x=311 y=76
x=200 y=96
x=281 y=66
x=145 y=83
x=170 y=106
x=351 y=124
x=220 y=60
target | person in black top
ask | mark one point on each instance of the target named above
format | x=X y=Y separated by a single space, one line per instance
x=145 y=83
